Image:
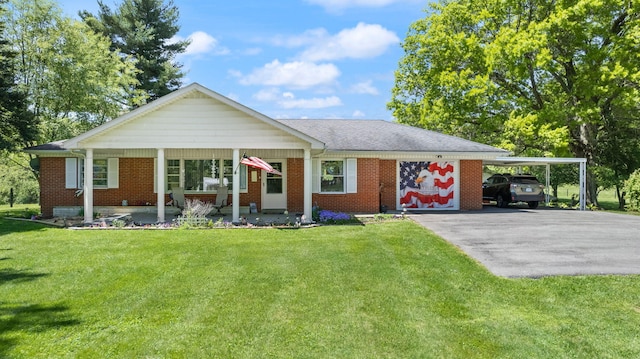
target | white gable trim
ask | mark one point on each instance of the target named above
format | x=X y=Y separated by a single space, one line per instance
x=75 y=143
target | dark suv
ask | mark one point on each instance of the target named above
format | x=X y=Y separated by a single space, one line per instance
x=507 y=188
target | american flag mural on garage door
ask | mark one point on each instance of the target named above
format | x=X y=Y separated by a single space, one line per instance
x=426 y=184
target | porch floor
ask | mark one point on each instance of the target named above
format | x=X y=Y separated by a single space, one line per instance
x=151 y=218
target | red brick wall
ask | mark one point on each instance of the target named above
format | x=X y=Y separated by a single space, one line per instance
x=136 y=186
x=254 y=193
x=367 y=198
x=388 y=176
x=52 y=191
x=471 y=185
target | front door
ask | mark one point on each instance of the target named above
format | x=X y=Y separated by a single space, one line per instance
x=274 y=187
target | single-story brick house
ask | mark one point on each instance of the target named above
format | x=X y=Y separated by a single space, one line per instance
x=193 y=139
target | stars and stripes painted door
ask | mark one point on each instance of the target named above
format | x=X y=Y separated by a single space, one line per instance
x=425 y=184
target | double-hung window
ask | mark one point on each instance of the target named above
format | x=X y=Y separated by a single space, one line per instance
x=100 y=173
x=335 y=176
x=332 y=173
x=105 y=172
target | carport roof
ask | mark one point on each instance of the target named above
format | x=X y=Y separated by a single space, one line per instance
x=532 y=161
x=539 y=161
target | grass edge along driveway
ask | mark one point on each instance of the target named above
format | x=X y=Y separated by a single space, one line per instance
x=391 y=290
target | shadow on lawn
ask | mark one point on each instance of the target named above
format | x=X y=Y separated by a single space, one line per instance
x=8 y=274
x=8 y=226
x=21 y=317
x=17 y=318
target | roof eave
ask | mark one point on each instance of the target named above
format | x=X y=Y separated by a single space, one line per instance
x=444 y=155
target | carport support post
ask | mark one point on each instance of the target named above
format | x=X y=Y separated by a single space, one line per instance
x=548 y=183
x=583 y=185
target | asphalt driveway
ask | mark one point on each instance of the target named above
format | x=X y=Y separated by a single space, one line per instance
x=518 y=242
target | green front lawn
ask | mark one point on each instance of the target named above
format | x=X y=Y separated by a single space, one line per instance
x=391 y=290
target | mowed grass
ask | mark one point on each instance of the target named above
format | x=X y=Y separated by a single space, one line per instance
x=391 y=290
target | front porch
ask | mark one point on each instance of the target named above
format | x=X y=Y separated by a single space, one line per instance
x=149 y=214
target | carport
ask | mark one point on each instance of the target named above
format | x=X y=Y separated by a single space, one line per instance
x=548 y=161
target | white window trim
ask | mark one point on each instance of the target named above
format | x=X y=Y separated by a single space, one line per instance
x=182 y=175
x=349 y=170
x=74 y=173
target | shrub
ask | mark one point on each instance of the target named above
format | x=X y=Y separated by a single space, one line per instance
x=632 y=189
x=195 y=214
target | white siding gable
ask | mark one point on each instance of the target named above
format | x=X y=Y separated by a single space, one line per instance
x=195 y=121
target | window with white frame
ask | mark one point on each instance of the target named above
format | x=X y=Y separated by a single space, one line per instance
x=100 y=173
x=339 y=175
x=332 y=176
x=105 y=173
x=173 y=174
x=203 y=175
x=199 y=175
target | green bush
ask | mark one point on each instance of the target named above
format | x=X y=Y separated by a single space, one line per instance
x=632 y=189
x=25 y=186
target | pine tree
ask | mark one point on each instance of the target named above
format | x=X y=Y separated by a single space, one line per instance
x=143 y=29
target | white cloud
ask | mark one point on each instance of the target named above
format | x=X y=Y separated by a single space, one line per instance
x=288 y=100
x=364 y=88
x=306 y=38
x=201 y=43
x=297 y=74
x=363 y=41
x=312 y=103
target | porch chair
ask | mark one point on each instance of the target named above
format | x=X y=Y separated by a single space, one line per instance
x=177 y=196
x=221 y=199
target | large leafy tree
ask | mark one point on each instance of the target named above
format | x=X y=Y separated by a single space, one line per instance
x=72 y=79
x=536 y=77
x=144 y=30
x=18 y=125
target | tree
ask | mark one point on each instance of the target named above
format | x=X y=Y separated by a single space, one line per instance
x=144 y=30
x=535 y=77
x=72 y=79
x=18 y=126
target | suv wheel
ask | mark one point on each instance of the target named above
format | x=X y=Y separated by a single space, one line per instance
x=533 y=204
x=501 y=202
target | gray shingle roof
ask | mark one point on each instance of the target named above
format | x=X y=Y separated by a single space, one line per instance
x=366 y=135
x=51 y=146
x=379 y=135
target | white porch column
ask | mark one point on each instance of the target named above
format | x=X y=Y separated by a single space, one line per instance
x=235 y=192
x=308 y=173
x=88 y=186
x=161 y=185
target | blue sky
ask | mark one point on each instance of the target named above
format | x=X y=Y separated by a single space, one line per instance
x=293 y=58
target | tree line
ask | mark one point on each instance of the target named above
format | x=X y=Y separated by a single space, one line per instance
x=60 y=76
